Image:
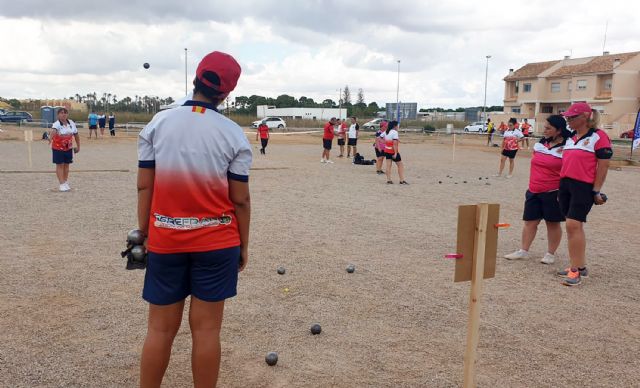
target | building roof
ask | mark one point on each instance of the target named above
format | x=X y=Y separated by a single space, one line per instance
x=599 y=64
x=530 y=70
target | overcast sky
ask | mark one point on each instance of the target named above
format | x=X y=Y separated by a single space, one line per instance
x=302 y=48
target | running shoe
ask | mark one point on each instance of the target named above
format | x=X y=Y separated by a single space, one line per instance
x=323 y=161
x=573 y=278
x=548 y=258
x=497 y=175
x=565 y=273
x=389 y=182
x=517 y=255
x=404 y=182
x=509 y=176
x=64 y=187
x=329 y=161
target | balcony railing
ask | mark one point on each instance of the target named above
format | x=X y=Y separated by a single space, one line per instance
x=603 y=96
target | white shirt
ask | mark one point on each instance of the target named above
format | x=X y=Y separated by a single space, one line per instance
x=69 y=129
x=352 y=131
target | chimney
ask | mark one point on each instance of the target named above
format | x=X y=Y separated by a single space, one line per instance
x=510 y=71
x=567 y=57
x=616 y=62
x=605 y=53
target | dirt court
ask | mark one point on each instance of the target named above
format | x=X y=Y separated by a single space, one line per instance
x=72 y=316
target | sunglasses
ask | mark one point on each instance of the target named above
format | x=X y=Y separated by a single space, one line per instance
x=570 y=118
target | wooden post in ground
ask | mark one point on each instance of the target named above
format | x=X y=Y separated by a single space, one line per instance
x=453 y=153
x=28 y=137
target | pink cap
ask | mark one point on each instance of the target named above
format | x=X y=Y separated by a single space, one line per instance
x=224 y=66
x=577 y=109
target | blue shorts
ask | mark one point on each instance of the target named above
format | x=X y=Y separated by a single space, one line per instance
x=62 y=157
x=210 y=276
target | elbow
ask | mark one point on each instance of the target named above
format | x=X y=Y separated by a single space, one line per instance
x=242 y=202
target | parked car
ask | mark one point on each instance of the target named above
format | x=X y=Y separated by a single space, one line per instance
x=627 y=134
x=16 y=117
x=373 y=125
x=478 y=126
x=272 y=122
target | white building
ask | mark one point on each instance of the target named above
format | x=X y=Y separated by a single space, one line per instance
x=301 y=113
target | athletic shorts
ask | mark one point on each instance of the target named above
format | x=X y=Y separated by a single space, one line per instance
x=62 y=157
x=264 y=142
x=93 y=127
x=102 y=126
x=352 y=142
x=210 y=276
x=390 y=156
x=511 y=154
x=525 y=134
x=575 y=199
x=326 y=144
x=542 y=206
x=379 y=153
x=340 y=142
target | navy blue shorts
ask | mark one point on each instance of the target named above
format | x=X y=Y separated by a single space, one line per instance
x=542 y=206
x=62 y=157
x=210 y=276
x=326 y=144
x=390 y=156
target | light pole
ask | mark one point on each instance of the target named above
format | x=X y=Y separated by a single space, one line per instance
x=185 y=71
x=398 y=95
x=340 y=104
x=484 y=105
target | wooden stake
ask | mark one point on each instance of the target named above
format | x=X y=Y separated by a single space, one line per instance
x=477 y=276
x=28 y=137
x=453 y=154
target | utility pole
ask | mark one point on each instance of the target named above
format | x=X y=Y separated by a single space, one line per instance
x=484 y=105
x=398 y=95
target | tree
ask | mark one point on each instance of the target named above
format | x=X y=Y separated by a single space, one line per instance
x=14 y=103
x=346 y=95
x=286 y=101
x=360 y=99
x=328 y=103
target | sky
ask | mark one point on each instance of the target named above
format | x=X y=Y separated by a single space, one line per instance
x=308 y=48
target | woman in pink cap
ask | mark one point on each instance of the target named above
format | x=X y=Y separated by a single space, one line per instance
x=585 y=162
x=379 y=147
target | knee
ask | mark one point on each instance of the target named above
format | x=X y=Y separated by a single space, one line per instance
x=573 y=226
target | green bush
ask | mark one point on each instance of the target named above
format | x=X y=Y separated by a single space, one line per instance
x=428 y=128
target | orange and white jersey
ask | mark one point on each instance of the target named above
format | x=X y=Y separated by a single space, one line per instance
x=195 y=151
x=388 y=140
x=62 y=137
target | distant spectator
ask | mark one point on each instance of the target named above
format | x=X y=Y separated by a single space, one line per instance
x=490 y=131
x=342 y=130
x=263 y=134
x=354 y=130
x=112 y=124
x=102 y=122
x=509 y=147
x=327 y=139
x=93 y=123
x=525 y=128
x=63 y=131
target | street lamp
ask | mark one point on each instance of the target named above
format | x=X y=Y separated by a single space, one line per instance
x=185 y=71
x=484 y=105
x=398 y=95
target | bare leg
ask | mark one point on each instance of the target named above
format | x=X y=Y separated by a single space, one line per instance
x=60 y=173
x=341 y=150
x=205 y=319
x=355 y=150
x=502 y=160
x=400 y=171
x=529 y=233
x=554 y=235
x=576 y=242
x=511 y=164
x=379 y=163
x=163 y=325
x=388 y=170
x=65 y=172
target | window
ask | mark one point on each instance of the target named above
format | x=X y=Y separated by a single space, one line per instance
x=526 y=88
x=517 y=86
x=607 y=84
x=515 y=110
x=569 y=86
x=582 y=84
x=555 y=87
x=547 y=109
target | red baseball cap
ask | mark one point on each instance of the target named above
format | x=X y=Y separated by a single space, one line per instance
x=577 y=109
x=224 y=66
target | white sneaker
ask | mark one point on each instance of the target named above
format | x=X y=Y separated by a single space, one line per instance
x=509 y=176
x=330 y=161
x=517 y=255
x=323 y=161
x=497 y=175
x=64 y=187
x=548 y=258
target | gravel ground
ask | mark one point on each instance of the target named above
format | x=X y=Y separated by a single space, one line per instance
x=71 y=316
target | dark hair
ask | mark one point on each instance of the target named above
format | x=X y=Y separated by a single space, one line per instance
x=207 y=91
x=391 y=125
x=353 y=117
x=63 y=110
x=559 y=123
x=513 y=121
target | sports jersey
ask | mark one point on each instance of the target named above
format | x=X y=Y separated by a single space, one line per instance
x=264 y=131
x=342 y=130
x=388 y=140
x=62 y=138
x=379 y=144
x=525 y=128
x=581 y=155
x=490 y=128
x=546 y=163
x=195 y=151
x=510 y=141
x=93 y=119
x=328 y=131
x=353 y=128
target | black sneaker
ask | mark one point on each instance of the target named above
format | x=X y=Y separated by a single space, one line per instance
x=404 y=182
x=389 y=182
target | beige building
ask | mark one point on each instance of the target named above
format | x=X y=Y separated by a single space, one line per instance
x=610 y=83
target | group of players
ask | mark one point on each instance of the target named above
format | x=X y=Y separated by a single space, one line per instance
x=386 y=145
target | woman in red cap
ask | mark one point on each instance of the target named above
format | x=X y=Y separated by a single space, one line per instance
x=585 y=163
x=194 y=206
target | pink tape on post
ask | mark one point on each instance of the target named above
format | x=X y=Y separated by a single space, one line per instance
x=453 y=256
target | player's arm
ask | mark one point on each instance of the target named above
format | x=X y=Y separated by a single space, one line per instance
x=241 y=199
x=76 y=136
x=146 y=178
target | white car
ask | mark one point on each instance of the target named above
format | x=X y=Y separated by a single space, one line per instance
x=373 y=124
x=478 y=126
x=272 y=122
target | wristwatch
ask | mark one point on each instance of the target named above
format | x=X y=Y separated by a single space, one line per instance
x=594 y=193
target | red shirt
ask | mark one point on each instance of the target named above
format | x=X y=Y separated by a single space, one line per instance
x=328 y=131
x=546 y=164
x=580 y=159
x=264 y=131
x=525 y=128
